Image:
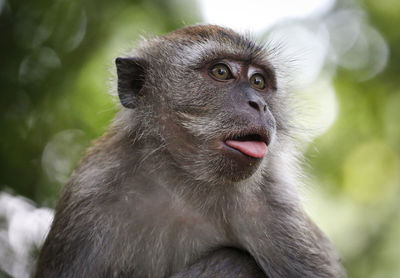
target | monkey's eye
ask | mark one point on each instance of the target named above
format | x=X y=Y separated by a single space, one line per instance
x=221 y=72
x=257 y=81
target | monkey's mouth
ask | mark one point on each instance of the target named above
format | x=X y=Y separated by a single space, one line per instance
x=253 y=145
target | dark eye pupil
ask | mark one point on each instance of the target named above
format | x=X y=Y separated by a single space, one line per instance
x=257 y=81
x=221 y=71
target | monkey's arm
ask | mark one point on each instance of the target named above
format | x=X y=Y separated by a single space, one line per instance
x=289 y=244
x=226 y=263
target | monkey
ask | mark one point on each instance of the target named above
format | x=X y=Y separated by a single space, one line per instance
x=197 y=174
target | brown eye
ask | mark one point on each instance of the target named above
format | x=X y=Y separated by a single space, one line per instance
x=221 y=72
x=257 y=81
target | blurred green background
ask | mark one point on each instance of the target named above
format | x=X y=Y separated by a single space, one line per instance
x=57 y=71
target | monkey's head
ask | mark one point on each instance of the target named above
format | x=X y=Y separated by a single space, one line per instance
x=210 y=98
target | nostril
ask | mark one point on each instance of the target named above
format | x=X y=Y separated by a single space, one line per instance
x=259 y=106
x=254 y=105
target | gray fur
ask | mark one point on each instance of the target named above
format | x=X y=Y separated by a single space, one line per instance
x=141 y=205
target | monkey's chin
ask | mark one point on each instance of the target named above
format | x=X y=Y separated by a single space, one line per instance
x=237 y=165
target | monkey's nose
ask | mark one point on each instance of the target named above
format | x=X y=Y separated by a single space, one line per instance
x=259 y=105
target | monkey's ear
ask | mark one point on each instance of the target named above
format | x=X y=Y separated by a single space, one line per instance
x=131 y=76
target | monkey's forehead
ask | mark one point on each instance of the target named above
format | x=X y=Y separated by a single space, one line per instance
x=195 y=45
x=201 y=33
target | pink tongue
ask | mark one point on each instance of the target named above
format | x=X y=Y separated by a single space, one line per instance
x=251 y=148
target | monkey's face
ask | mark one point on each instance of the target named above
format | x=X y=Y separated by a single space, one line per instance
x=212 y=93
x=217 y=121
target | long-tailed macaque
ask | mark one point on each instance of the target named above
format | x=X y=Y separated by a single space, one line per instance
x=196 y=176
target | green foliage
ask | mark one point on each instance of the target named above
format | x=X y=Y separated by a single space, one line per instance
x=57 y=57
x=359 y=159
